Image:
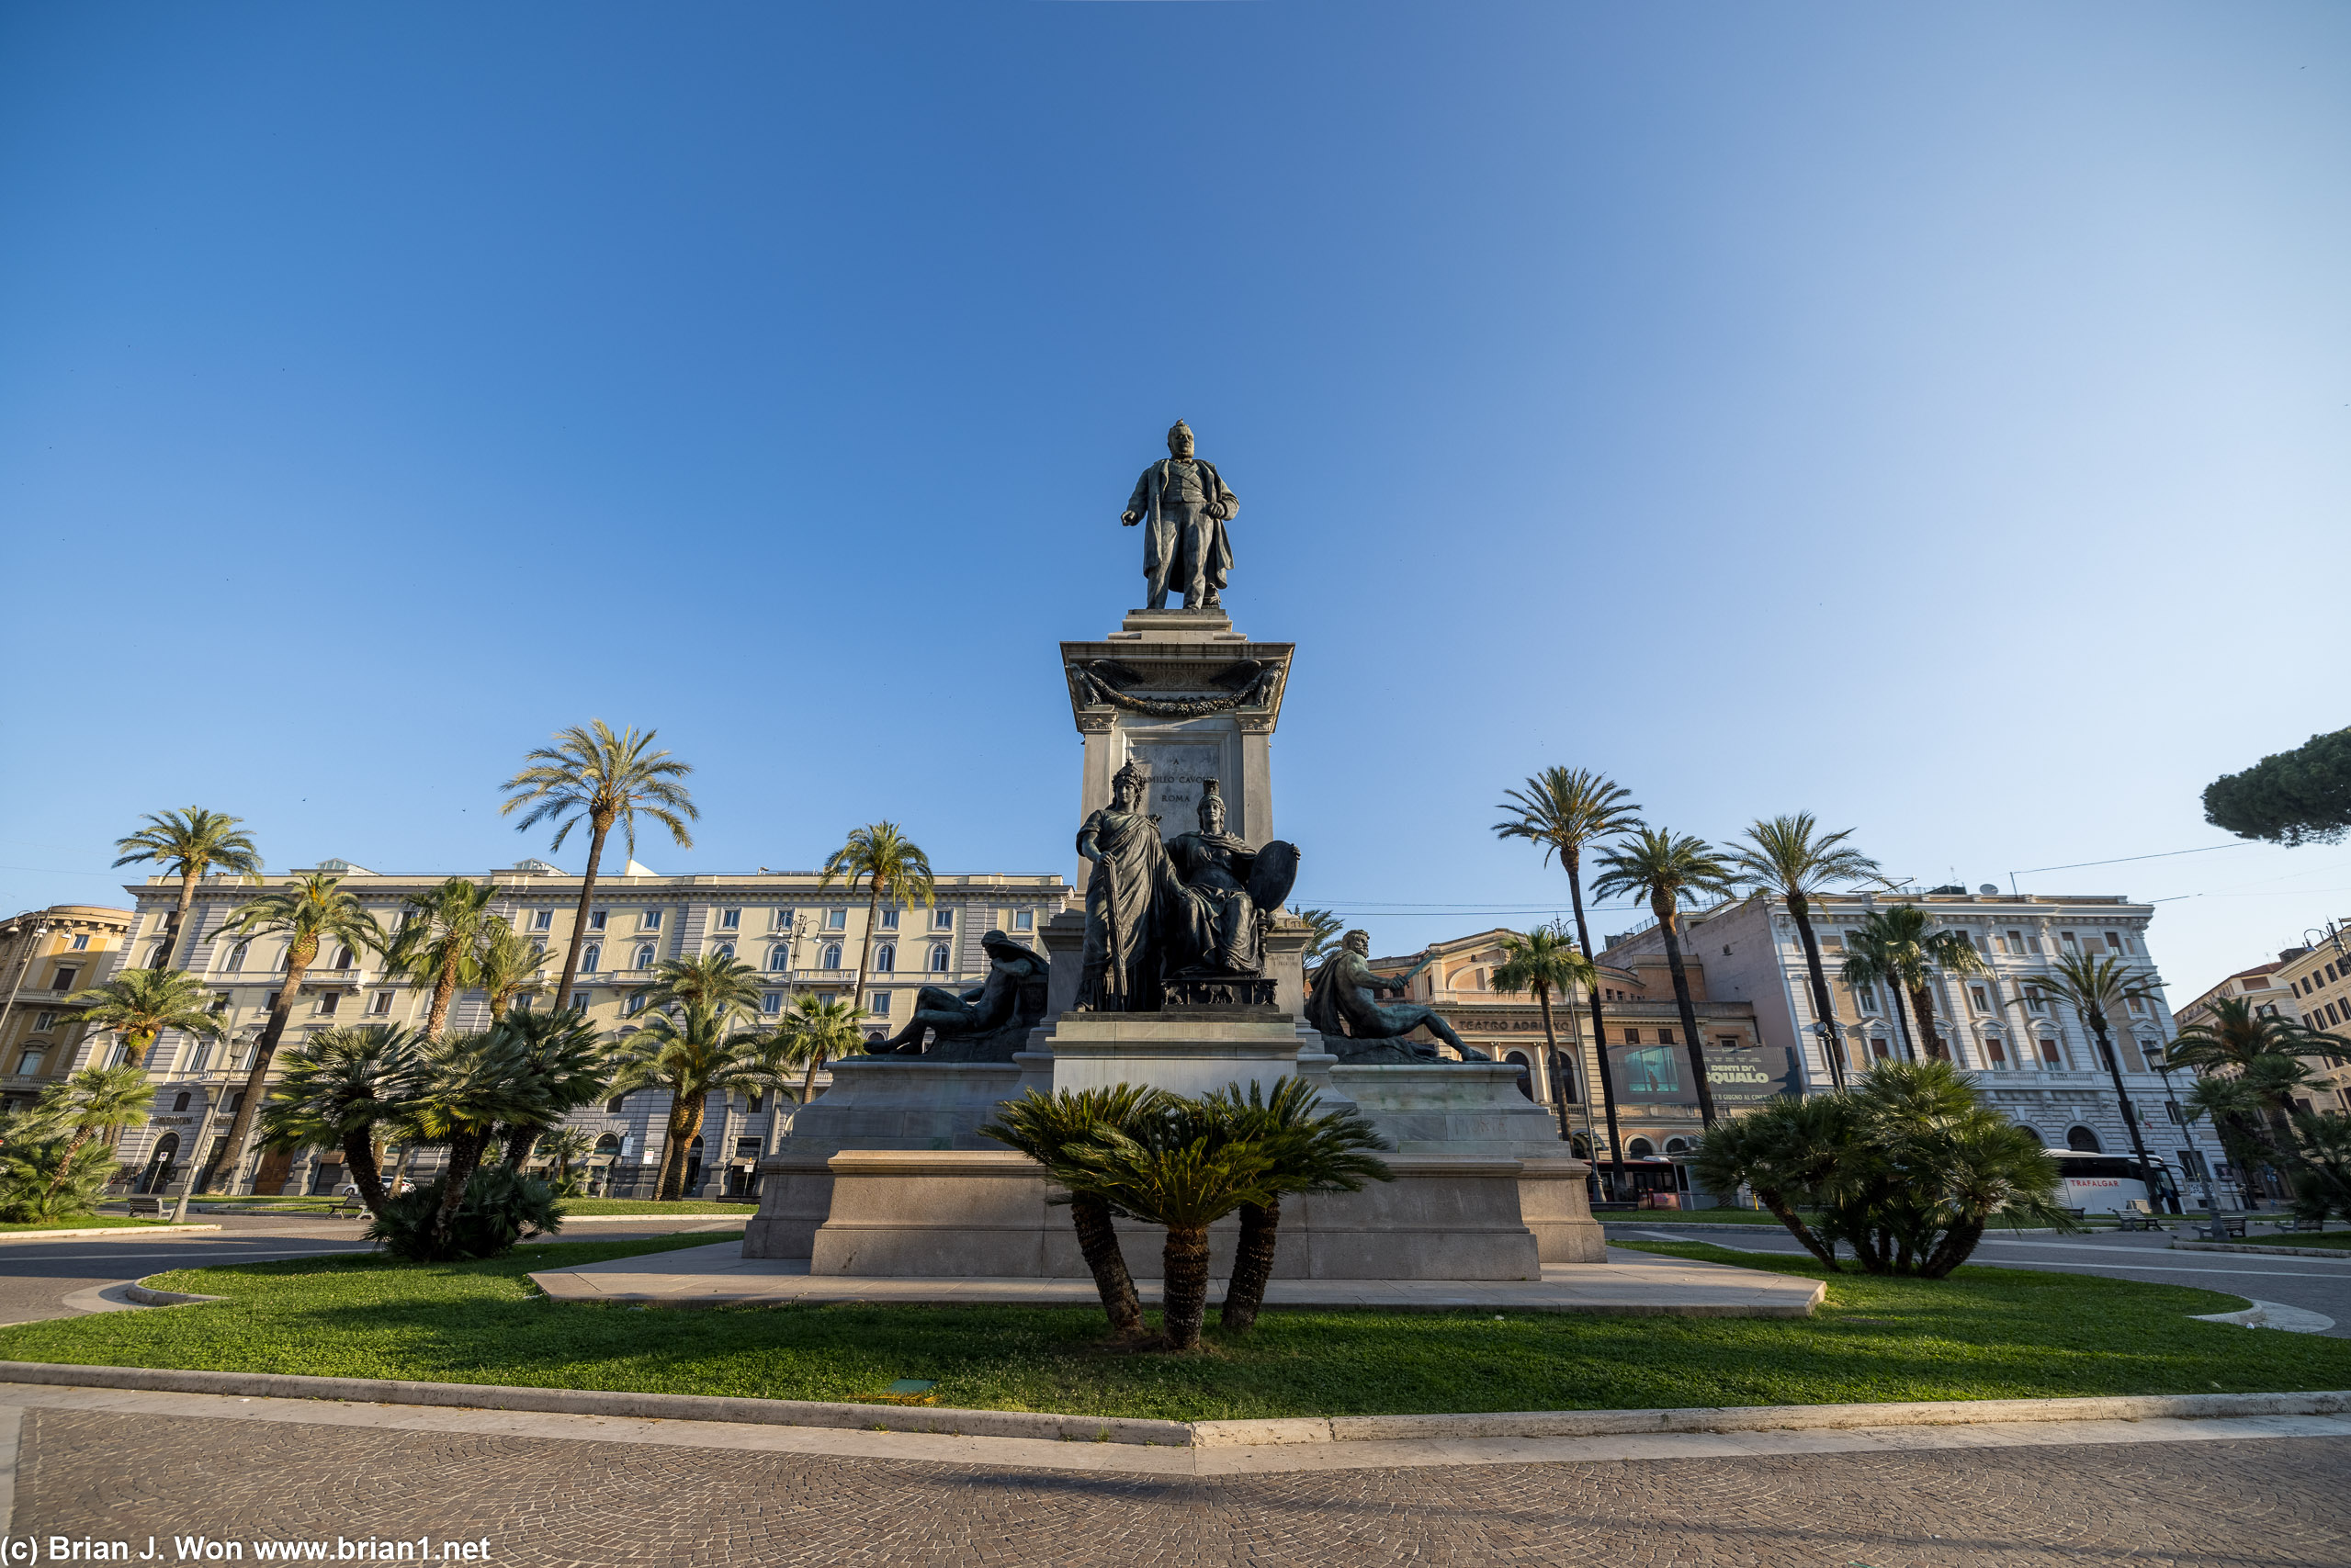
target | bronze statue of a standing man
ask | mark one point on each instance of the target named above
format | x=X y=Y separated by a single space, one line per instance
x=1184 y=505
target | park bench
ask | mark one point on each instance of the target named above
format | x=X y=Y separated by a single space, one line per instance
x=350 y=1203
x=146 y=1208
x=2318 y=1224
x=2133 y=1220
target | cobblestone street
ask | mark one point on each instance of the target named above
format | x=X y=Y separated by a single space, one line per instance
x=118 y=1477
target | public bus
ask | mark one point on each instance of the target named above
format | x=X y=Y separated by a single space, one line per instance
x=2098 y=1183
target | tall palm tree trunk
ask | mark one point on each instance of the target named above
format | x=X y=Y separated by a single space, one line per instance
x=865 y=947
x=598 y=828
x=1599 y=1025
x=1252 y=1264
x=1832 y=1044
x=444 y=989
x=359 y=1159
x=179 y=920
x=1922 y=1002
x=1183 y=1285
x=674 y=1137
x=1689 y=1012
x=298 y=964
x=1902 y=1018
x=1550 y=1060
x=2129 y=1112
x=1098 y=1243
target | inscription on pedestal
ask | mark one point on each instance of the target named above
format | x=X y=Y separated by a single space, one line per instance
x=1221 y=993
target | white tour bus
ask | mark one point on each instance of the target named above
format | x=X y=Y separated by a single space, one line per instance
x=2098 y=1183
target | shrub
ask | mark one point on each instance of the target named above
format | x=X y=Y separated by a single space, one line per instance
x=499 y=1208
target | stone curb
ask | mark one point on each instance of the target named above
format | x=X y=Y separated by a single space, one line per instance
x=593 y=1401
x=104 y=1233
x=147 y=1295
x=2339 y=1254
x=1172 y=1434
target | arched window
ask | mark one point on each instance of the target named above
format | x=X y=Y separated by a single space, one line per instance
x=831 y=955
x=179 y=1100
x=2082 y=1141
x=236 y=959
x=591 y=957
x=2032 y=1132
x=1526 y=1074
x=644 y=955
x=1640 y=1148
x=726 y=950
x=938 y=958
x=885 y=959
x=1676 y=1146
x=779 y=958
x=345 y=958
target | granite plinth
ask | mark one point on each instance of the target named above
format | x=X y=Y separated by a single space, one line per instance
x=951 y=1213
x=1182 y=1056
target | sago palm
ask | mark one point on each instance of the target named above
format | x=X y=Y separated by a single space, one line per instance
x=1670 y=869
x=340 y=1089
x=507 y=965
x=1900 y=948
x=1045 y=1128
x=190 y=845
x=1180 y=1168
x=591 y=775
x=1790 y=859
x=1546 y=962
x=463 y=1088
x=139 y=1004
x=438 y=942
x=94 y=1101
x=563 y=1147
x=1786 y=1153
x=566 y=1062
x=1310 y=1150
x=1567 y=811
x=2097 y=988
x=689 y=1051
x=892 y=866
x=311 y=910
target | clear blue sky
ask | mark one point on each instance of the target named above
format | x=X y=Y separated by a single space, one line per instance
x=1939 y=418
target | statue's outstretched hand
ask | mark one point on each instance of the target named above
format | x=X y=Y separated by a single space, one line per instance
x=1130 y=518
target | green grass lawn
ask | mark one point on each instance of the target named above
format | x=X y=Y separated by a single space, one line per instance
x=1984 y=1333
x=646 y=1206
x=77 y=1222
x=2338 y=1239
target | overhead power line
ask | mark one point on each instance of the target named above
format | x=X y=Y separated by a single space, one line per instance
x=2120 y=860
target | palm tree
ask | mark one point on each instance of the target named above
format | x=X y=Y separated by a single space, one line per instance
x=1567 y=811
x=311 y=910
x=1181 y=1168
x=890 y=864
x=1788 y=858
x=93 y=1100
x=439 y=942
x=2238 y=1104
x=592 y=775
x=506 y=963
x=139 y=1004
x=2239 y=1037
x=563 y=1147
x=1667 y=868
x=690 y=1052
x=462 y=1088
x=1899 y=948
x=1544 y=960
x=190 y=844
x=1323 y=928
x=820 y=1030
x=339 y=1089
x=714 y=979
x=569 y=1066
x=1330 y=1152
x=2096 y=988
x=1045 y=1128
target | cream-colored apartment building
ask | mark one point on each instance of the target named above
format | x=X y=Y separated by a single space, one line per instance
x=2313 y=985
x=46 y=955
x=800 y=935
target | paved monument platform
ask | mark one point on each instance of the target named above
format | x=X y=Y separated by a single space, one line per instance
x=1629 y=1284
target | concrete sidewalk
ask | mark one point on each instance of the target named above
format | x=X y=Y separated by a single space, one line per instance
x=1629 y=1284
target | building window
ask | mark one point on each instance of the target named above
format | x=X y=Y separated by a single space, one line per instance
x=889 y=920
x=379 y=1004
x=645 y=952
x=727 y=950
x=327 y=1004
x=345 y=958
x=1880 y=1050
x=29 y=1062
x=938 y=958
x=2067 y=938
x=730 y=919
x=612 y=1106
x=81 y=941
x=886 y=958
x=836 y=919
x=2033 y=1000
x=591 y=957
x=236 y=959
x=881 y=1004
x=2082 y=1141
x=831 y=957
x=1640 y=1148
x=1995 y=1053
x=2114 y=943
x=1867 y=996
x=2138 y=1007
x=779 y=958
x=779 y=919
x=1025 y=919
x=1976 y=994
x=66 y=978
x=771 y=1002
x=542 y=919
x=596 y=918
x=44 y=1022
x=758 y=1102
x=634 y=1005
x=1632 y=1037
x=648 y=919
x=942 y=920
x=2049 y=1051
